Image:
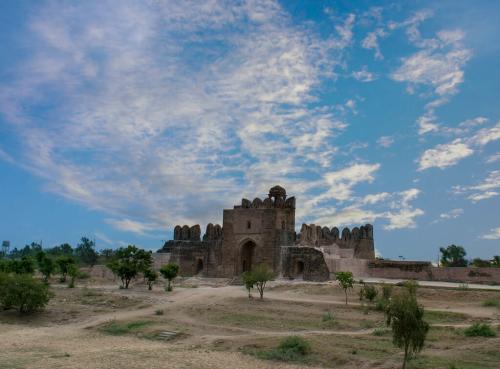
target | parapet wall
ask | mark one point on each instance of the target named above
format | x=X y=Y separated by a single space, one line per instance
x=424 y=271
x=359 y=239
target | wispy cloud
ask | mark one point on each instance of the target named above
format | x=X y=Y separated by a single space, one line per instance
x=493 y=235
x=488 y=188
x=452 y=214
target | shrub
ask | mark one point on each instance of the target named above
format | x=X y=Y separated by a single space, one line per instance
x=370 y=292
x=327 y=317
x=64 y=264
x=151 y=276
x=261 y=274
x=379 y=332
x=491 y=303
x=249 y=281
x=479 y=330
x=295 y=345
x=23 y=292
x=159 y=312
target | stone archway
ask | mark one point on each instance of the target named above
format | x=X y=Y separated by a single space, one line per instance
x=247 y=256
x=299 y=269
x=199 y=266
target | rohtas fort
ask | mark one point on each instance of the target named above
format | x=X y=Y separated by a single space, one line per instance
x=262 y=231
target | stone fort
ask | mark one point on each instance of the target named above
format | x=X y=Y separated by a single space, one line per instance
x=263 y=231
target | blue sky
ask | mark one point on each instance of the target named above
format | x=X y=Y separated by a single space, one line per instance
x=120 y=119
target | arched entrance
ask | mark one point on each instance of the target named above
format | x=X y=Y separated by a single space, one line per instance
x=299 y=269
x=247 y=256
x=199 y=266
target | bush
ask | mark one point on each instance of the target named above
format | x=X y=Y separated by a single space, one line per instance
x=169 y=272
x=23 y=293
x=479 y=330
x=159 y=312
x=369 y=292
x=492 y=303
x=296 y=345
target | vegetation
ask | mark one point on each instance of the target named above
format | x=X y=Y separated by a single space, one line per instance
x=128 y=262
x=73 y=273
x=492 y=302
x=23 y=293
x=46 y=265
x=479 y=330
x=151 y=276
x=453 y=256
x=64 y=265
x=249 y=281
x=169 y=272
x=85 y=252
x=346 y=281
x=405 y=317
x=368 y=292
x=292 y=348
x=118 y=329
x=260 y=275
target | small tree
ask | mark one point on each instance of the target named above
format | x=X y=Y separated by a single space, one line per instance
x=25 y=265
x=453 y=256
x=151 y=276
x=128 y=262
x=495 y=262
x=85 y=252
x=405 y=317
x=249 y=281
x=63 y=263
x=73 y=273
x=369 y=292
x=346 y=281
x=46 y=266
x=261 y=274
x=169 y=272
x=23 y=292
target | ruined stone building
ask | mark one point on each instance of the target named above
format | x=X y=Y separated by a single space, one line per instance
x=263 y=231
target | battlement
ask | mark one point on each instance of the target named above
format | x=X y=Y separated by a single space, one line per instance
x=276 y=199
x=193 y=233
x=315 y=234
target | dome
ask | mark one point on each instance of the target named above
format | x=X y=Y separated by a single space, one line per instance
x=277 y=191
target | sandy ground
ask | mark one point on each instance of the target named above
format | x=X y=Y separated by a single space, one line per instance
x=77 y=343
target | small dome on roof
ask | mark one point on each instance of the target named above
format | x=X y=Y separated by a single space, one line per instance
x=277 y=191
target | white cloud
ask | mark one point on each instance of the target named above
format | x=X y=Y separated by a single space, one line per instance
x=364 y=75
x=385 y=141
x=493 y=235
x=452 y=214
x=444 y=155
x=132 y=226
x=371 y=42
x=486 y=189
x=493 y=158
x=375 y=198
x=486 y=135
x=153 y=125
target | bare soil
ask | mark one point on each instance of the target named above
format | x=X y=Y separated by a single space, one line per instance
x=99 y=326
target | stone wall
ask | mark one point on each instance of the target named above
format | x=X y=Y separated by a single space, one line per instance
x=303 y=262
x=424 y=271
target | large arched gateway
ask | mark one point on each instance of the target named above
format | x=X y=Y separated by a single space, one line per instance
x=247 y=256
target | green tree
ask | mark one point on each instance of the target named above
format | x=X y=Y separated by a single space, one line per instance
x=169 y=272
x=261 y=274
x=85 y=252
x=25 y=265
x=63 y=249
x=73 y=273
x=346 y=281
x=107 y=255
x=64 y=265
x=453 y=256
x=46 y=265
x=151 y=276
x=405 y=317
x=23 y=292
x=128 y=262
x=249 y=281
x=481 y=263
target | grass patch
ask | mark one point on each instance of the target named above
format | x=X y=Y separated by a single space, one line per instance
x=290 y=349
x=119 y=329
x=492 y=302
x=479 y=330
x=433 y=317
x=380 y=332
